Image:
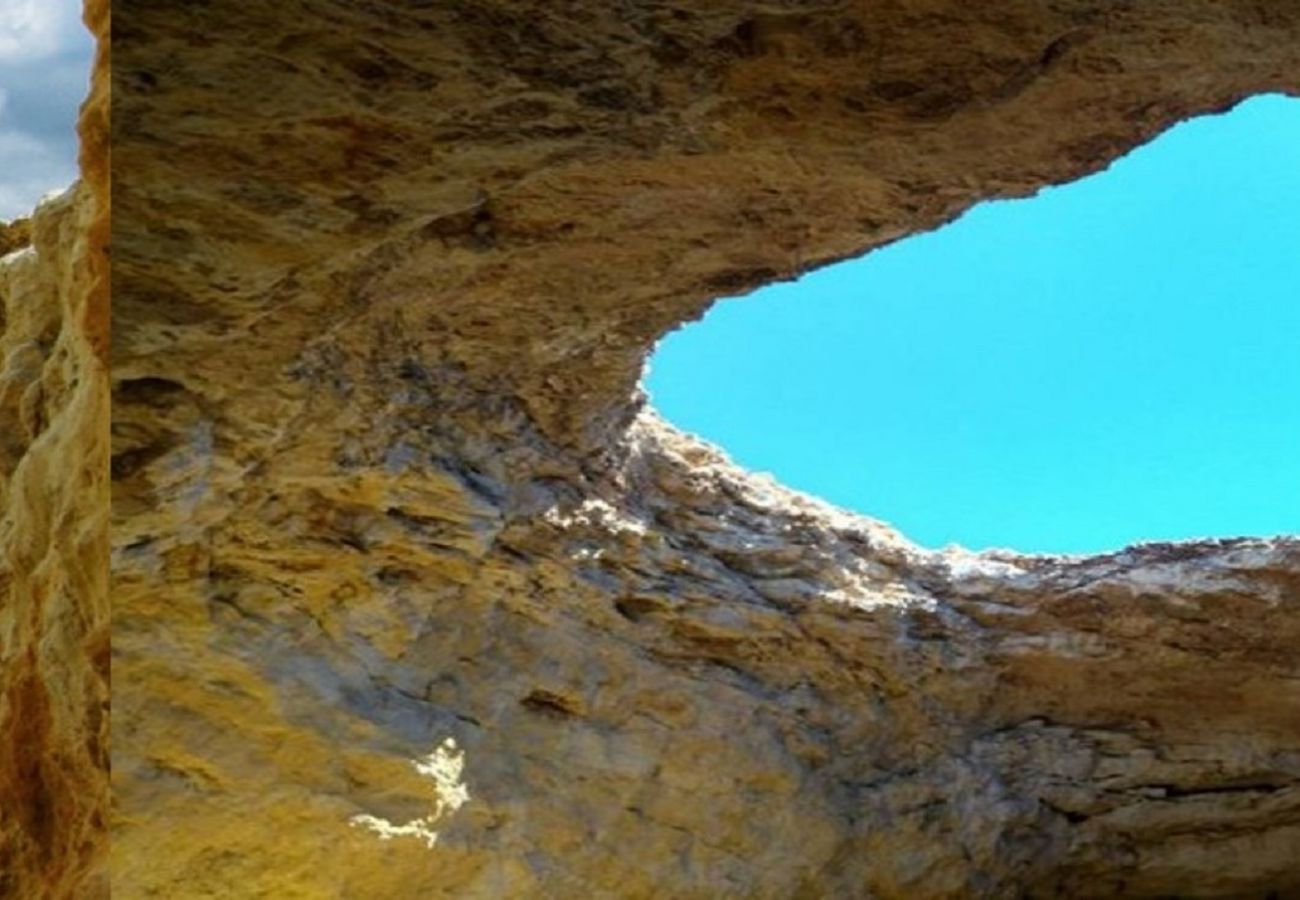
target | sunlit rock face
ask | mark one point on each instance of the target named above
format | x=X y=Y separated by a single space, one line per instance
x=54 y=493
x=413 y=598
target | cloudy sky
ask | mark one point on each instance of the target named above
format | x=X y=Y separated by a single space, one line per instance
x=45 y=56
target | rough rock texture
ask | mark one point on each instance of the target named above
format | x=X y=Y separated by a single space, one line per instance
x=412 y=596
x=15 y=235
x=54 y=548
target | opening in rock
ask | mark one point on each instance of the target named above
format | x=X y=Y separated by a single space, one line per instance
x=45 y=55
x=1112 y=361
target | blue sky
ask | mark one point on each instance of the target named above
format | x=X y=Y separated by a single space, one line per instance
x=1114 y=360
x=45 y=56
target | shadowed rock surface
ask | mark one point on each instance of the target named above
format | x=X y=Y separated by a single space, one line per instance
x=54 y=546
x=414 y=598
x=15 y=235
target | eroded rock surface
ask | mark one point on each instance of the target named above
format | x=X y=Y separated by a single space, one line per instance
x=15 y=235
x=54 y=549
x=412 y=596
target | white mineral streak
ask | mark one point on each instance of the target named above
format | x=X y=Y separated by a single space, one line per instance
x=443 y=767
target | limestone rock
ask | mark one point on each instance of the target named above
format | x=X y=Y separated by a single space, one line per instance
x=15 y=235
x=54 y=549
x=414 y=598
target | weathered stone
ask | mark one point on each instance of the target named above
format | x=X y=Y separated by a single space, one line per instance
x=385 y=278
x=54 y=548
x=15 y=235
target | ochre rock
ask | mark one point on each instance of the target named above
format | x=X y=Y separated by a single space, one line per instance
x=412 y=595
x=15 y=235
x=54 y=548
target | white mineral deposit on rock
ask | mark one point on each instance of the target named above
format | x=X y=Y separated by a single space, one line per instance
x=443 y=767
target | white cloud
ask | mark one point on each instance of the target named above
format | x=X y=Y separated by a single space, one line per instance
x=30 y=169
x=35 y=29
x=45 y=56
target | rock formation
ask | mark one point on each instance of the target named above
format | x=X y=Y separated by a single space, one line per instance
x=54 y=549
x=412 y=595
x=15 y=235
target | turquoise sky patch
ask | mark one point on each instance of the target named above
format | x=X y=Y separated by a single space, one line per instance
x=1114 y=360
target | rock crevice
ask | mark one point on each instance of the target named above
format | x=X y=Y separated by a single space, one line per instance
x=54 y=543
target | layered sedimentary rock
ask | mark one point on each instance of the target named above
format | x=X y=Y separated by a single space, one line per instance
x=414 y=598
x=54 y=551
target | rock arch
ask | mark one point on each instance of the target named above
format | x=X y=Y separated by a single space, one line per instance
x=384 y=278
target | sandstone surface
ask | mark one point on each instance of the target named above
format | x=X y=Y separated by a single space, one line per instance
x=15 y=235
x=54 y=547
x=414 y=597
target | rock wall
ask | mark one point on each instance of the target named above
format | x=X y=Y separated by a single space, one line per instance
x=54 y=549
x=15 y=235
x=412 y=596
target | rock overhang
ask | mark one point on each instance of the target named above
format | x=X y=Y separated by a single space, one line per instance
x=381 y=306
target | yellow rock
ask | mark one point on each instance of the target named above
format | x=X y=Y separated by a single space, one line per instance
x=386 y=275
